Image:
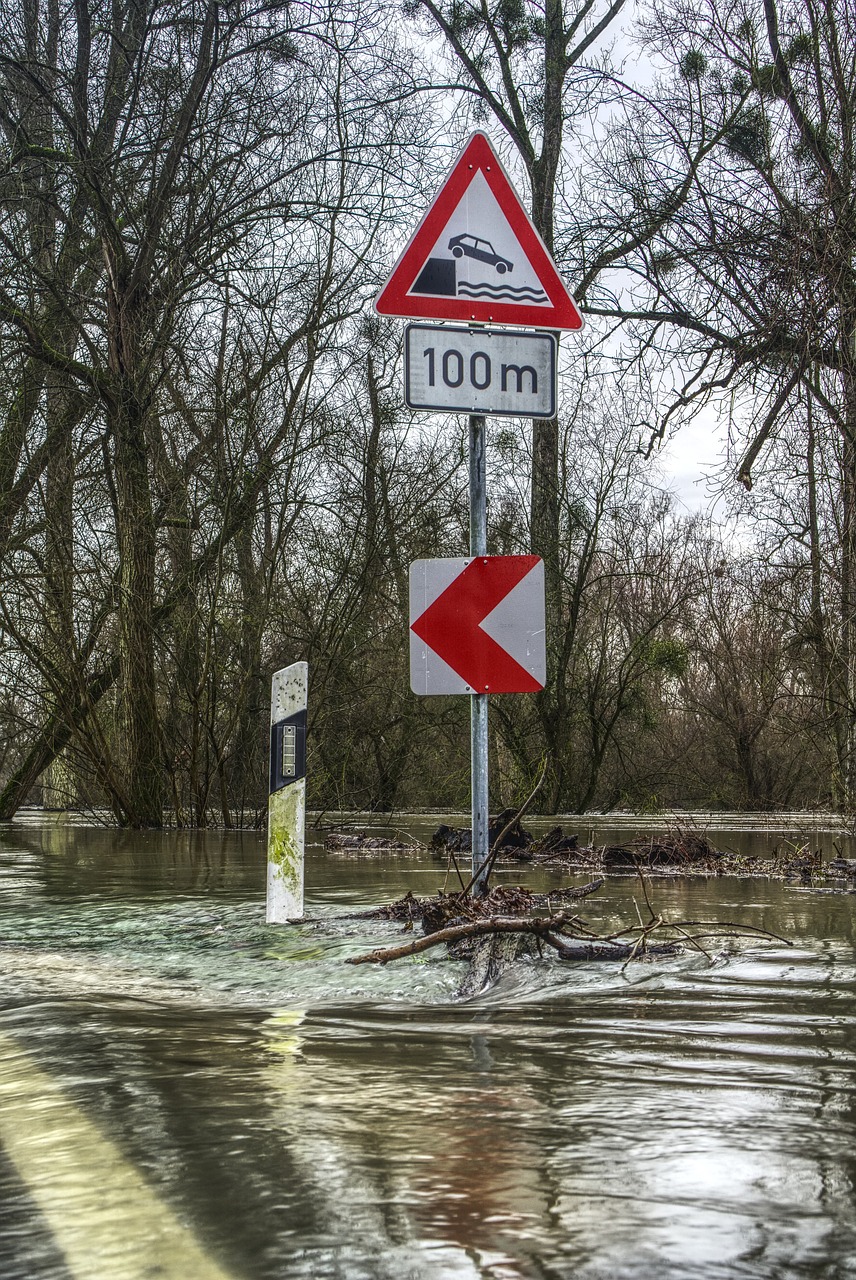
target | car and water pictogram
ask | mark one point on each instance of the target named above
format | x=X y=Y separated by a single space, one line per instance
x=481 y=250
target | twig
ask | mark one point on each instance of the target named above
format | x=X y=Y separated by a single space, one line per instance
x=692 y=941
x=639 y=944
x=746 y=930
x=738 y=931
x=453 y=859
x=645 y=888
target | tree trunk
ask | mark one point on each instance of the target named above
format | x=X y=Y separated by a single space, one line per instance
x=846 y=735
x=818 y=625
x=251 y=735
x=183 y=716
x=136 y=540
x=60 y=786
x=544 y=517
x=544 y=497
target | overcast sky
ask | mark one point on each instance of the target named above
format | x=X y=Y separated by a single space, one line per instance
x=692 y=459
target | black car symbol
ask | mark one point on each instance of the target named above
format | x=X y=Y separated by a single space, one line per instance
x=482 y=250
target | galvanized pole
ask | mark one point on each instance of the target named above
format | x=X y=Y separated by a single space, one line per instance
x=478 y=700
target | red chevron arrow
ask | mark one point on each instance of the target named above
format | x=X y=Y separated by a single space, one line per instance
x=451 y=625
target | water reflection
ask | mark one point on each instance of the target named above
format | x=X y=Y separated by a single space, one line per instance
x=301 y=1118
x=75 y=859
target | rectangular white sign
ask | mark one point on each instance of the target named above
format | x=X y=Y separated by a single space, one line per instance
x=468 y=370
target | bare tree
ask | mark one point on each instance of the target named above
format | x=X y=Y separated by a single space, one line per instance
x=749 y=284
x=523 y=66
x=162 y=155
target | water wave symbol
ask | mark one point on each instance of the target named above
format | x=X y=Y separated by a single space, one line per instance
x=501 y=292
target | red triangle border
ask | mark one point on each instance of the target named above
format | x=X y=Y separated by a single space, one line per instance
x=394 y=300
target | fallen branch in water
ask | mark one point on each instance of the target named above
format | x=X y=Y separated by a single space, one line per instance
x=541 y=927
x=606 y=950
x=570 y=936
x=481 y=919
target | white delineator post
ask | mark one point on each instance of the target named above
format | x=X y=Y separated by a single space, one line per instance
x=287 y=803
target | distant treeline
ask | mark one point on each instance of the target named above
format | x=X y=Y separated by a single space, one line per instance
x=206 y=470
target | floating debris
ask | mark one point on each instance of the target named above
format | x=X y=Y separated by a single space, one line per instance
x=506 y=824
x=509 y=924
x=678 y=852
x=361 y=842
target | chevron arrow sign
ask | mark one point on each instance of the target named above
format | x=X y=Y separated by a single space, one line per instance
x=477 y=625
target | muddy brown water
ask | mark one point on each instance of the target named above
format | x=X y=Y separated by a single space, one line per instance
x=187 y=1092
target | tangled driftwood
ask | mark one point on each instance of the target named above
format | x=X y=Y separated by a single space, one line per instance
x=678 y=852
x=492 y=929
x=361 y=842
x=676 y=848
x=454 y=919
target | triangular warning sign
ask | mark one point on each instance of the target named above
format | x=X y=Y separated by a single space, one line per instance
x=476 y=255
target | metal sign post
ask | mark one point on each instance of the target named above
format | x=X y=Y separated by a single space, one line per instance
x=287 y=803
x=476 y=258
x=478 y=701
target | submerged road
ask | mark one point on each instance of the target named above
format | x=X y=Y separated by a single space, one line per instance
x=105 y=1218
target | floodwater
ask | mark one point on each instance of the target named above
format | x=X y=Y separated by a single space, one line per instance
x=188 y=1094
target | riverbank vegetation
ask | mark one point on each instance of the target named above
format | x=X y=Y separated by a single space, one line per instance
x=206 y=469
